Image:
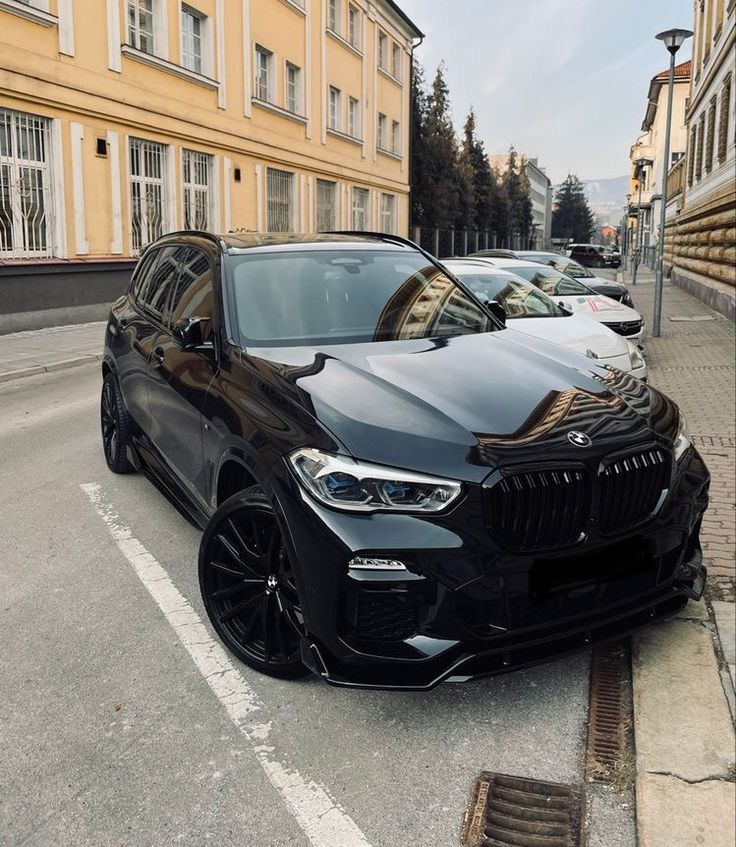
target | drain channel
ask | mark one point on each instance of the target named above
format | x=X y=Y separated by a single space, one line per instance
x=511 y=811
x=607 y=714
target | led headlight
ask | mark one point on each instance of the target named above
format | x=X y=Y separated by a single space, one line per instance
x=682 y=442
x=636 y=356
x=343 y=483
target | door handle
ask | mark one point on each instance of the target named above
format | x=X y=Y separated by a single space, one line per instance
x=158 y=354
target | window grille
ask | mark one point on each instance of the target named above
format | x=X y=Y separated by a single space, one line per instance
x=279 y=200
x=388 y=213
x=196 y=186
x=140 y=25
x=326 y=205
x=360 y=209
x=26 y=201
x=147 y=191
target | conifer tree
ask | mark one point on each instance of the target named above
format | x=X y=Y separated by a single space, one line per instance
x=572 y=218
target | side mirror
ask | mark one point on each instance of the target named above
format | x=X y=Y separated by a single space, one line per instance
x=564 y=308
x=189 y=332
x=497 y=310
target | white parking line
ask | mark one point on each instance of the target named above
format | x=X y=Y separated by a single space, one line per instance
x=321 y=818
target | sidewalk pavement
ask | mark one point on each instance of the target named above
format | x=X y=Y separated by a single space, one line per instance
x=683 y=723
x=56 y=348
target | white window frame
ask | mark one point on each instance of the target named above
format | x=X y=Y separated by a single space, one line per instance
x=396 y=138
x=334 y=114
x=354 y=128
x=133 y=31
x=197 y=183
x=334 y=16
x=298 y=89
x=361 y=210
x=382 y=133
x=397 y=56
x=148 y=229
x=388 y=214
x=32 y=10
x=330 y=186
x=383 y=41
x=206 y=45
x=355 y=27
x=36 y=239
x=261 y=51
x=288 y=179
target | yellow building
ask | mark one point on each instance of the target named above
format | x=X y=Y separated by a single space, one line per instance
x=124 y=119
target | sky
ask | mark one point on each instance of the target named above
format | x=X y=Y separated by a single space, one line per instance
x=563 y=80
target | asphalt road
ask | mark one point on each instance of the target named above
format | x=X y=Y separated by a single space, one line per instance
x=112 y=734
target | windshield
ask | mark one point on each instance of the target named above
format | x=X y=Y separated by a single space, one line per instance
x=345 y=297
x=553 y=282
x=572 y=269
x=518 y=298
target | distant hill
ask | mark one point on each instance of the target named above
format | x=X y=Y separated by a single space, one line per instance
x=607 y=198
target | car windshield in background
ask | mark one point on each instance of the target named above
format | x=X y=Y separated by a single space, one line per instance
x=347 y=297
x=518 y=298
x=553 y=282
x=573 y=269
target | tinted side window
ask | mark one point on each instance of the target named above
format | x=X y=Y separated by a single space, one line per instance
x=195 y=291
x=142 y=271
x=162 y=280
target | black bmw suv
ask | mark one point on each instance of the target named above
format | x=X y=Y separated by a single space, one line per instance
x=395 y=489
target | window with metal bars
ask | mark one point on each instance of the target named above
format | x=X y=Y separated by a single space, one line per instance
x=388 y=213
x=147 y=191
x=191 y=39
x=279 y=200
x=26 y=200
x=326 y=205
x=141 y=25
x=196 y=168
x=361 y=217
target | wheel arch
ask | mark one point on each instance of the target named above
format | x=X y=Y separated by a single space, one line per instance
x=234 y=474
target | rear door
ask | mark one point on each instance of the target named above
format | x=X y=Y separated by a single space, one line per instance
x=178 y=377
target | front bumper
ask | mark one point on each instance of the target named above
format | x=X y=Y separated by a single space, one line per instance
x=466 y=607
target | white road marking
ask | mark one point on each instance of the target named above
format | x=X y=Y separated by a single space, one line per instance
x=321 y=818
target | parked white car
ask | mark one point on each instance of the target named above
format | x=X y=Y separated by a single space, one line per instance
x=531 y=311
x=572 y=294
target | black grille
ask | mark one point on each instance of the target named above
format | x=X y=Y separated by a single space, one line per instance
x=631 y=488
x=383 y=617
x=625 y=327
x=540 y=509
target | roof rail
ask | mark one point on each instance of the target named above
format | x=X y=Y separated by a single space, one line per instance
x=200 y=233
x=380 y=236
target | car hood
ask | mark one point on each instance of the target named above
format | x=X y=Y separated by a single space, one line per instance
x=455 y=406
x=575 y=332
x=600 y=307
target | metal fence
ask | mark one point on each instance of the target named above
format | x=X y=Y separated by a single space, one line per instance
x=444 y=243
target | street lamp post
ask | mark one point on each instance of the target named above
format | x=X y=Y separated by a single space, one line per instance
x=673 y=39
x=626 y=239
x=640 y=165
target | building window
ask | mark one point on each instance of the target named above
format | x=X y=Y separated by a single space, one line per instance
x=141 y=25
x=361 y=217
x=723 y=123
x=334 y=9
x=293 y=88
x=354 y=118
x=383 y=51
x=711 y=135
x=354 y=26
x=264 y=74
x=326 y=205
x=197 y=168
x=699 y=151
x=279 y=200
x=396 y=61
x=191 y=39
x=691 y=162
x=396 y=138
x=388 y=213
x=335 y=108
x=147 y=191
x=382 y=132
x=25 y=186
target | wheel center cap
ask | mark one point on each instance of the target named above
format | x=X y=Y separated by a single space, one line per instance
x=272 y=583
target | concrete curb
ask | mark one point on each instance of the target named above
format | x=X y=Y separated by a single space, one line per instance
x=61 y=365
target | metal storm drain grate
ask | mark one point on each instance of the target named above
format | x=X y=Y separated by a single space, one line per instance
x=607 y=714
x=511 y=811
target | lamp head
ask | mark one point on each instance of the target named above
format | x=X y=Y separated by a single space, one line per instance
x=673 y=38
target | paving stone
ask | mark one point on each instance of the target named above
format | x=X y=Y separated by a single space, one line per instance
x=673 y=813
x=725 y=615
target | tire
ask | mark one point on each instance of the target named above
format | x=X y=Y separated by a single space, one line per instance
x=115 y=426
x=248 y=587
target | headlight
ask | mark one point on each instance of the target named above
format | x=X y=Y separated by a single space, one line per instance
x=682 y=442
x=636 y=356
x=343 y=483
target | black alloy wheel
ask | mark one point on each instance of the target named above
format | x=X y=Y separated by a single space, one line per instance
x=248 y=587
x=115 y=425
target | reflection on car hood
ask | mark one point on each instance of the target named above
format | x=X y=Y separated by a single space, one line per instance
x=451 y=406
x=600 y=307
x=576 y=332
